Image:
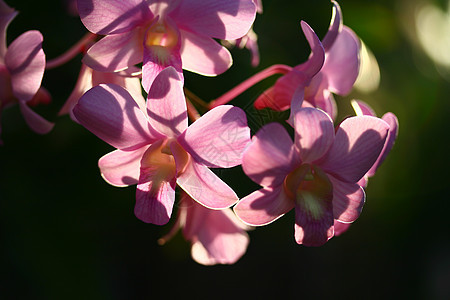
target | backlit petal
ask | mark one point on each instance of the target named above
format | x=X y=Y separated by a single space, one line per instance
x=115 y=52
x=348 y=200
x=263 y=206
x=203 y=55
x=121 y=168
x=226 y=20
x=25 y=61
x=270 y=156
x=166 y=104
x=357 y=145
x=113 y=16
x=314 y=133
x=218 y=138
x=111 y=113
x=37 y=123
x=205 y=187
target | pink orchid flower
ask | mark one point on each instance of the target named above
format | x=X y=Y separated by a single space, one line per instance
x=156 y=148
x=317 y=174
x=363 y=109
x=217 y=236
x=332 y=67
x=22 y=66
x=163 y=33
x=88 y=78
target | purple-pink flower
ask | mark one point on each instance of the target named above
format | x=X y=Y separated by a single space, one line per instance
x=156 y=148
x=217 y=236
x=162 y=33
x=22 y=66
x=332 y=67
x=317 y=174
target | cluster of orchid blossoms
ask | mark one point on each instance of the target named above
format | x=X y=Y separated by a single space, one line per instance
x=130 y=93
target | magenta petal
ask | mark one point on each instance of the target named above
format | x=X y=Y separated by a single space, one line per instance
x=340 y=228
x=25 y=61
x=203 y=55
x=37 y=123
x=270 y=156
x=392 y=120
x=166 y=105
x=317 y=57
x=121 y=168
x=113 y=16
x=226 y=20
x=115 y=52
x=342 y=62
x=218 y=138
x=357 y=145
x=335 y=27
x=154 y=197
x=156 y=59
x=7 y=14
x=269 y=99
x=286 y=87
x=205 y=187
x=216 y=238
x=263 y=206
x=312 y=232
x=348 y=200
x=314 y=133
x=111 y=113
x=84 y=83
x=362 y=109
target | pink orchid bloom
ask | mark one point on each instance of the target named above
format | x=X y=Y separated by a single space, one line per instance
x=332 y=67
x=363 y=109
x=250 y=39
x=162 y=33
x=22 y=67
x=217 y=236
x=88 y=78
x=317 y=174
x=157 y=150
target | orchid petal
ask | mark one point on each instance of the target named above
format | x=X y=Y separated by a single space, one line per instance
x=157 y=57
x=37 y=123
x=110 y=112
x=357 y=145
x=342 y=62
x=348 y=200
x=25 y=61
x=392 y=120
x=115 y=52
x=166 y=105
x=335 y=27
x=362 y=109
x=263 y=206
x=226 y=20
x=121 y=168
x=113 y=16
x=7 y=14
x=314 y=133
x=286 y=87
x=340 y=228
x=155 y=197
x=205 y=187
x=216 y=239
x=218 y=138
x=311 y=232
x=316 y=60
x=203 y=55
x=270 y=156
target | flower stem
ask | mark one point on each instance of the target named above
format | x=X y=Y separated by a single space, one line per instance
x=71 y=53
x=239 y=89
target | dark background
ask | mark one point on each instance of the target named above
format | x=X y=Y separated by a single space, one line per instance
x=67 y=234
